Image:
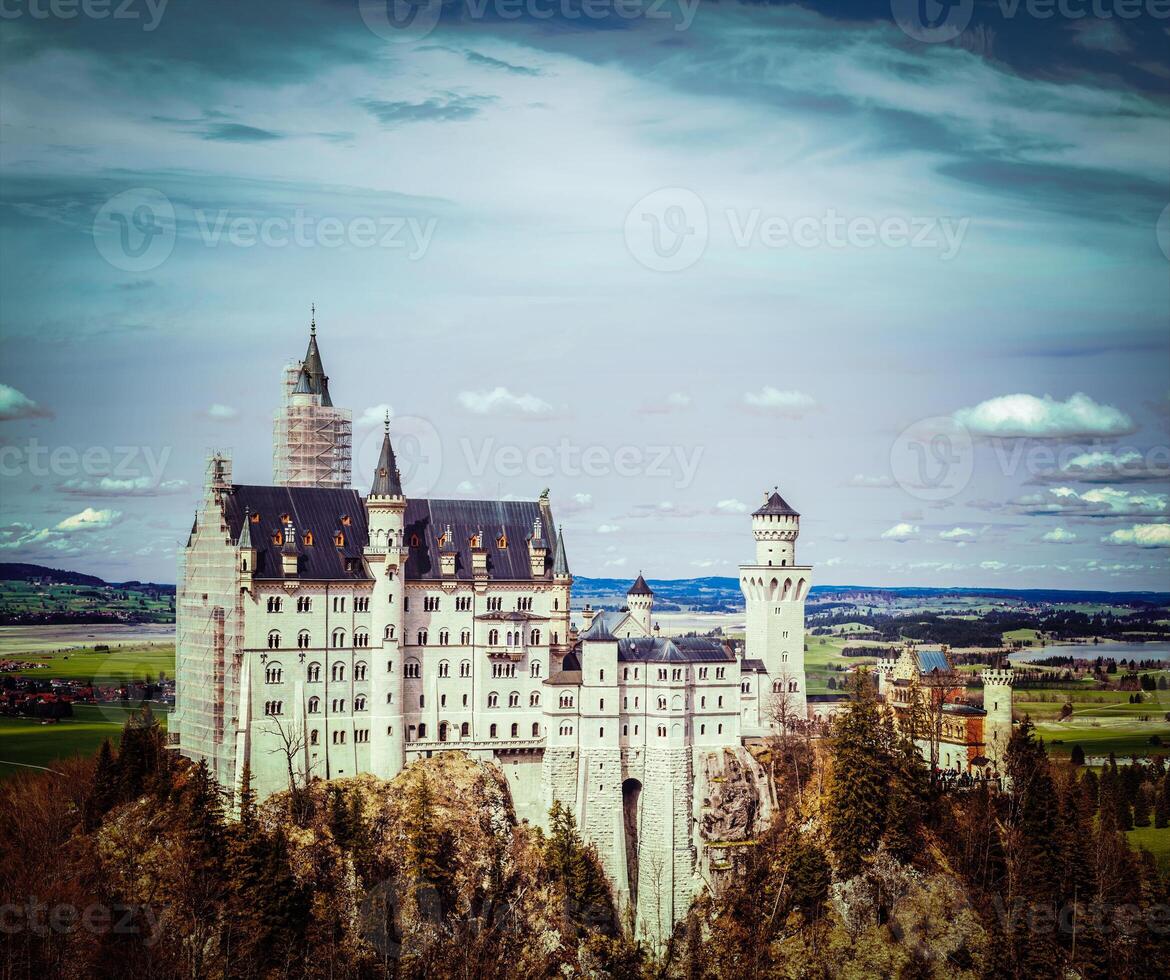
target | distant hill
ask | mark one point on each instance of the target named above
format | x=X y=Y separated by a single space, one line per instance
x=20 y=572
x=34 y=595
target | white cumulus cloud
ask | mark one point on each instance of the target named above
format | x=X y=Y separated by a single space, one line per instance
x=772 y=401
x=1142 y=535
x=608 y=529
x=17 y=405
x=1058 y=535
x=901 y=532
x=89 y=519
x=222 y=413
x=108 y=486
x=500 y=401
x=1021 y=415
x=374 y=415
x=731 y=506
x=957 y=534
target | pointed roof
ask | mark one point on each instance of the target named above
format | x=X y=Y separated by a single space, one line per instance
x=312 y=366
x=640 y=587
x=387 y=481
x=245 y=540
x=303 y=386
x=598 y=630
x=775 y=504
x=289 y=541
x=560 y=559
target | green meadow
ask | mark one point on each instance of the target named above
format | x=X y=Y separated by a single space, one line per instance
x=26 y=742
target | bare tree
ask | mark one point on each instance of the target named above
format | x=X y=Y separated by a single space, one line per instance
x=293 y=744
x=783 y=714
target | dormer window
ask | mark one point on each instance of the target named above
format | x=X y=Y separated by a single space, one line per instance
x=414 y=542
x=502 y=542
x=339 y=539
x=345 y=521
x=308 y=537
x=278 y=538
x=476 y=541
x=256 y=518
x=285 y=519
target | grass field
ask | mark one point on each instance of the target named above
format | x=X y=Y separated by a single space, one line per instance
x=119 y=664
x=26 y=742
x=1157 y=842
x=23 y=599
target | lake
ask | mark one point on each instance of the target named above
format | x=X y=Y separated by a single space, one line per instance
x=1159 y=650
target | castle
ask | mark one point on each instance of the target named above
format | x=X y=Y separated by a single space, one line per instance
x=322 y=633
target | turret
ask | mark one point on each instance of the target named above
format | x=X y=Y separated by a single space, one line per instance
x=775 y=526
x=537 y=549
x=290 y=554
x=640 y=602
x=245 y=550
x=997 y=702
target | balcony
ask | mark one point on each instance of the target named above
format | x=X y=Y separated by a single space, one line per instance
x=513 y=653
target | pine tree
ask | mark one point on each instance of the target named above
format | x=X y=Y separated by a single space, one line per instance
x=1141 y=809
x=1077 y=756
x=103 y=795
x=429 y=854
x=1162 y=809
x=859 y=791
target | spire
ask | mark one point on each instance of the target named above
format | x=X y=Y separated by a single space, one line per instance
x=312 y=366
x=560 y=559
x=245 y=540
x=640 y=587
x=387 y=480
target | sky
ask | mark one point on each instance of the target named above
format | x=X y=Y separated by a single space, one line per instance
x=906 y=263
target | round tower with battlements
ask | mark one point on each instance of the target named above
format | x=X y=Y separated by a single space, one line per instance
x=997 y=702
x=640 y=602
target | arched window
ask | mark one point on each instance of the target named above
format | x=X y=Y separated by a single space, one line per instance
x=359 y=703
x=514 y=699
x=536 y=729
x=359 y=670
x=534 y=699
x=464 y=730
x=412 y=669
x=422 y=729
x=515 y=730
x=314 y=705
x=339 y=638
x=534 y=638
x=421 y=639
x=444 y=637
x=305 y=604
x=493 y=700
x=338 y=671
x=465 y=668
x=314 y=672
x=534 y=668
x=273 y=673
x=314 y=737
x=493 y=638
x=275 y=603
x=662 y=704
x=303 y=640
x=492 y=731
x=442 y=731
x=274 y=639
x=465 y=637
x=361 y=638
x=390 y=632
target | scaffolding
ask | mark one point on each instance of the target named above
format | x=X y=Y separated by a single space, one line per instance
x=312 y=442
x=209 y=634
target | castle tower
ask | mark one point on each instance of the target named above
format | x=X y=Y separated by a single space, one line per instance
x=386 y=557
x=997 y=702
x=311 y=439
x=774 y=589
x=640 y=602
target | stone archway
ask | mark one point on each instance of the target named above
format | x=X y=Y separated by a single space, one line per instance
x=631 y=798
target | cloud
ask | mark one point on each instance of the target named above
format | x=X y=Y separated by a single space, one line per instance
x=107 y=486
x=1097 y=34
x=238 y=133
x=901 y=532
x=576 y=504
x=608 y=529
x=1058 y=535
x=616 y=562
x=450 y=108
x=16 y=405
x=786 y=404
x=500 y=401
x=1141 y=535
x=676 y=401
x=89 y=520
x=1110 y=466
x=731 y=506
x=374 y=415
x=993 y=566
x=222 y=413
x=862 y=480
x=957 y=534
x=489 y=62
x=1097 y=502
x=1018 y=416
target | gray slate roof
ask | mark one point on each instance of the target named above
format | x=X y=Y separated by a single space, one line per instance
x=387 y=482
x=679 y=649
x=775 y=504
x=640 y=587
x=929 y=660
